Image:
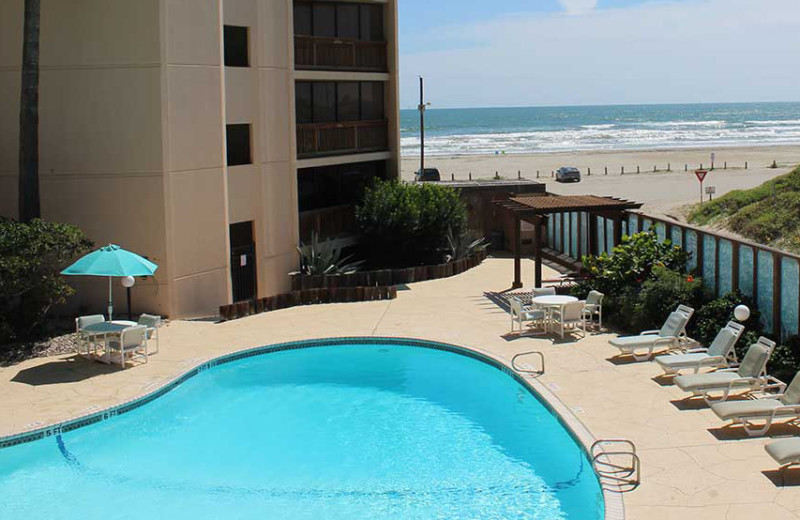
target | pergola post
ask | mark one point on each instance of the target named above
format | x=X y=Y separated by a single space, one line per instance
x=537 y=247
x=517 y=253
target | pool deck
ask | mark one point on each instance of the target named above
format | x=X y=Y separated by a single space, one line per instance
x=692 y=467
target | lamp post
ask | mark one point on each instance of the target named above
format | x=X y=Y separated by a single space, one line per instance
x=421 y=107
x=741 y=313
x=127 y=283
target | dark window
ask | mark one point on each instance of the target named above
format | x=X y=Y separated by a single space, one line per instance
x=348 y=102
x=302 y=19
x=324 y=22
x=238 y=143
x=236 y=46
x=372 y=102
x=304 y=102
x=324 y=102
x=372 y=23
x=347 y=21
x=328 y=186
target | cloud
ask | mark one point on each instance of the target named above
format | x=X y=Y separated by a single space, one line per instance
x=665 y=52
x=578 y=6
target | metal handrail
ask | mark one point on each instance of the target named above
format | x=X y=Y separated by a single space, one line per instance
x=524 y=370
x=629 y=475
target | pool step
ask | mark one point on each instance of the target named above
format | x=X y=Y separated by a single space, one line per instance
x=616 y=463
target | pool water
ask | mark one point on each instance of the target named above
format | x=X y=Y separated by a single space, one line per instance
x=333 y=432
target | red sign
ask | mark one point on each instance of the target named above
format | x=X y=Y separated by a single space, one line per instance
x=701 y=174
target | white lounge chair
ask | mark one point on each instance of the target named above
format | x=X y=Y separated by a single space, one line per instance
x=132 y=342
x=668 y=337
x=153 y=323
x=569 y=316
x=767 y=409
x=521 y=314
x=593 y=306
x=786 y=452
x=718 y=355
x=85 y=340
x=750 y=376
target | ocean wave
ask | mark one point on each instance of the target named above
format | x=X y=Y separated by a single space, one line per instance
x=598 y=127
x=669 y=124
x=777 y=122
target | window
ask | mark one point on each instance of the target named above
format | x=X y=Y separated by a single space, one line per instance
x=328 y=186
x=324 y=95
x=372 y=103
x=324 y=21
x=339 y=20
x=327 y=102
x=347 y=102
x=238 y=142
x=302 y=19
x=347 y=21
x=236 y=46
x=372 y=23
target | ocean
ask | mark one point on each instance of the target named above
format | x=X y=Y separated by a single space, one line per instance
x=615 y=127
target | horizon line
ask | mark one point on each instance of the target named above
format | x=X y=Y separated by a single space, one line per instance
x=592 y=105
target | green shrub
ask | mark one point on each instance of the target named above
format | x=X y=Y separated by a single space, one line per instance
x=31 y=258
x=320 y=257
x=785 y=360
x=407 y=224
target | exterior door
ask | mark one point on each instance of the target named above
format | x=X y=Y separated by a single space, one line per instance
x=244 y=278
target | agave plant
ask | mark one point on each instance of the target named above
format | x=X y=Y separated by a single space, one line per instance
x=462 y=246
x=323 y=257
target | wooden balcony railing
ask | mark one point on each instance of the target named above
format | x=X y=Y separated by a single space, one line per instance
x=332 y=222
x=311 y=52
x=314 y=139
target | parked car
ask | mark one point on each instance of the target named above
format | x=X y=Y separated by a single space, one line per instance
x=568 y=174
x=429 y=175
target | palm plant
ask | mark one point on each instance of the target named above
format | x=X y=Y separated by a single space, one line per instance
x=462 y=246
x=324 y=257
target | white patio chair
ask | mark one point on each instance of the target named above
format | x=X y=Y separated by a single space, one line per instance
x=132 y=342
x=593 y=306
x=520 y=314
x=719 y=354
x=569 y=316
x=750 y=376
x=543 y=291
x=768 y=409
x=153 y=323
x=669 y=336
x=86 y=340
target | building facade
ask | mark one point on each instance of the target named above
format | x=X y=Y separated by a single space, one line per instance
x=211 y=136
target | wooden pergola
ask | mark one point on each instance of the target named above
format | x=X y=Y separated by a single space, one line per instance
x=535 y=209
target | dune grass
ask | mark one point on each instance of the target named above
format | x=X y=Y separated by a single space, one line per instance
x=768 y=214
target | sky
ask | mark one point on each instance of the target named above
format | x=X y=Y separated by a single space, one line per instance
x=479 y=53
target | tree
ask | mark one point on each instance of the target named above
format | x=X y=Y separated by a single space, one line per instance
x=29 y=207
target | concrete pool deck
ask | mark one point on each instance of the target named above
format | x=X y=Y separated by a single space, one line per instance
x=692 y=467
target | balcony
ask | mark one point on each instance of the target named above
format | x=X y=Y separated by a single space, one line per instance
x=332 y=222
x=319 y=139
x=317 y=53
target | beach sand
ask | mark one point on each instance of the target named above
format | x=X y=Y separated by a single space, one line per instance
x=663 y=193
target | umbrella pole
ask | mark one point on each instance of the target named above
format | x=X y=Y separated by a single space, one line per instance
x=110 y=305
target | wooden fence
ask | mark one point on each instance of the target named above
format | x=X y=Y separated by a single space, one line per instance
x=769 y=276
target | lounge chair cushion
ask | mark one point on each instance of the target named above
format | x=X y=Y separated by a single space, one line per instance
x=784 y=451
x=711 y=380
x=755 y=360
x=751 y=408
x=682 y=360
x=635 y=341
x=673 y=326
x=722 y=343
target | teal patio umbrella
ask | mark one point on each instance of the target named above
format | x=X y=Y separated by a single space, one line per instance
x=111 y=261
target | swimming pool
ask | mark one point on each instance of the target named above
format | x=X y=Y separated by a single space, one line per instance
x=341 y=431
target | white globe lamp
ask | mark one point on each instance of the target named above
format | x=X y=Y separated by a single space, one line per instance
x=128 y=281
x=741 y=313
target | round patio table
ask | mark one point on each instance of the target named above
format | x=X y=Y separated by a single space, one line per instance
x=550 y=301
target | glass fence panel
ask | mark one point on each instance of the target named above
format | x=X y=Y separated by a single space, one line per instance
x=574 y=244
x=551 y=233
x=725 y=267
x=661 y=231
x=557 y=219
x=609 y=235
x=676 y=235
x=633 y=224
x=709 y=258
x=790 y=293
x=585 y=234
x=647 y=224
x=764 y=300
x=691 y=248
x=746 y=261
x=601 y=236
